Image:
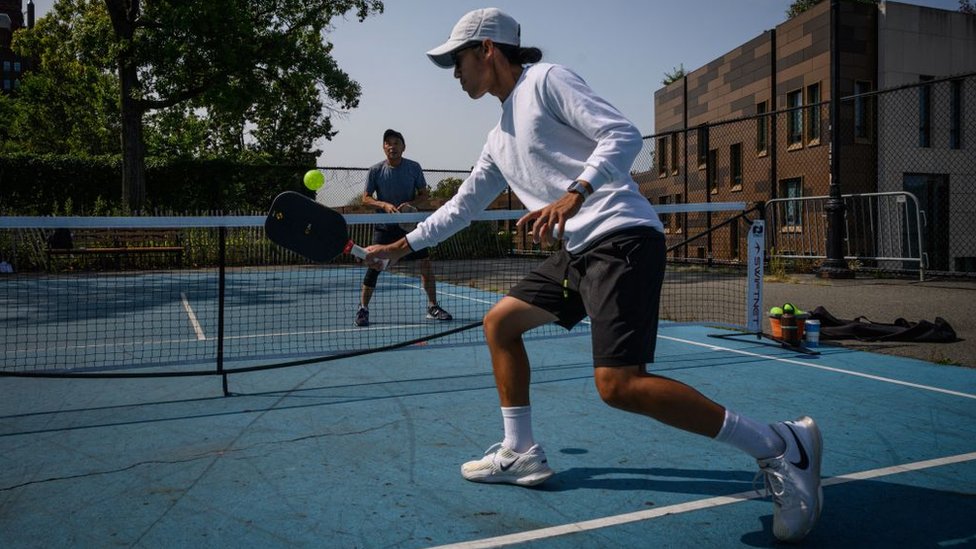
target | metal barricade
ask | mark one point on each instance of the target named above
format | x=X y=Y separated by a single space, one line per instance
x=882 y=231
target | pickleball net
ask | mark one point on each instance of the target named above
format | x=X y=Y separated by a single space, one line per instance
x=134 y=296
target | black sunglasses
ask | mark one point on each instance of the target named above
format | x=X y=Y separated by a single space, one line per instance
x=455 y=53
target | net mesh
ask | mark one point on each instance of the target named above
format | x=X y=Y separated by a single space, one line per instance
x=91 y=295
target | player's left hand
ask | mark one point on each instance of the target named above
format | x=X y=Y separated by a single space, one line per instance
x=552 y=217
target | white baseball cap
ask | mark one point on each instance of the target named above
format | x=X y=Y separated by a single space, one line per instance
x=476 y=26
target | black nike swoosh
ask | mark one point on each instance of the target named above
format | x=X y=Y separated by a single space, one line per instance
x=804 y=459
x=504 y=467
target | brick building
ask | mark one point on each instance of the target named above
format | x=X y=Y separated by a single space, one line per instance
x=12 y=19
x=716 y=141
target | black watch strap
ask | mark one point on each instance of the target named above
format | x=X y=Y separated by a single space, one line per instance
x=578 y=187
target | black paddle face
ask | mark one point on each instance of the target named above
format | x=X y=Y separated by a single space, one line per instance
x=306 y=227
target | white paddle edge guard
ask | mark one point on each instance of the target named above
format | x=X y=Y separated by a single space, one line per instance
x=359 y=252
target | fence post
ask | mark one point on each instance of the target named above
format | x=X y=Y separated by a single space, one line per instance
x=835 y=266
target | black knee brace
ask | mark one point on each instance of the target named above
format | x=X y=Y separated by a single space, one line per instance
x=370 y=279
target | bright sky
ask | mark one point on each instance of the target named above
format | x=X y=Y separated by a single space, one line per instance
x=622 y=48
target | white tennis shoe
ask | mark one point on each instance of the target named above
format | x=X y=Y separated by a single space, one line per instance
x=793 y=479
x=503 y=465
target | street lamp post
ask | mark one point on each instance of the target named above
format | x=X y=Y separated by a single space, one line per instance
x=835 y=266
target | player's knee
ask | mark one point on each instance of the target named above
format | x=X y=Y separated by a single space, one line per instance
x=490 y=324
x=615 y=386
x=371 y=277
x=497 y=326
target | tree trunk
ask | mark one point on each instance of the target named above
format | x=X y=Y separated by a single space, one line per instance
x=133 y=147
x=124 y=14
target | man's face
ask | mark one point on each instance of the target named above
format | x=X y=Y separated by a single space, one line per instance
x=470 y=67
x=393 y=149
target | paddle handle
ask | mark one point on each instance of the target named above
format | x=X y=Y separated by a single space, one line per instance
x=359 y=252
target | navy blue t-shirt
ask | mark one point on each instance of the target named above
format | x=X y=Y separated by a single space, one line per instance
x=395 y=185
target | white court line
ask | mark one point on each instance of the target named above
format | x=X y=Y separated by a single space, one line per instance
x=193 y=318
x=459 y=296
x=821 y=367
x=708 y=503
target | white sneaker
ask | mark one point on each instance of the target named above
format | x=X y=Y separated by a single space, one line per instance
x=793 y=479
x=504 y=465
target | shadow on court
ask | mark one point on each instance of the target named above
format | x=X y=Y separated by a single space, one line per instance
x=887 y=514
x=366 y=452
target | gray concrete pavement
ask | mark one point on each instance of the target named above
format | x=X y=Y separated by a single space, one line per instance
x=884 y=300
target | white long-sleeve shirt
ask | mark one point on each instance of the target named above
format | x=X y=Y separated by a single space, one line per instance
x=553 y=130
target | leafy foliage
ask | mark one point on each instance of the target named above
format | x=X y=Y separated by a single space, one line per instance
x=800 y=6
x=185 y=78
x=446 y=188
x=677 y=73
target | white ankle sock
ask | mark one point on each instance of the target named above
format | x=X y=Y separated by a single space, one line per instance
x=759 y=440
x=518 y=428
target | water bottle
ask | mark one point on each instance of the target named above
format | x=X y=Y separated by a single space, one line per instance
x=812 y=328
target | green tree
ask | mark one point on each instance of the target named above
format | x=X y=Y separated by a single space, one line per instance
x=68 y=107
x=676 y=74
x=967 y=6
x=247 y=75
x=446 y=188
x=800 y=6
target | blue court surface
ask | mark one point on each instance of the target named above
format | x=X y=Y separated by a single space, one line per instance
x=365 y=452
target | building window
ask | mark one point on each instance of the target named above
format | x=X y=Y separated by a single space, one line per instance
x=702 y=146
x=794 y=130
x=6 y=84
x=17 y=66
x=735 y=166
x=713 y=171
x=813 y=114
x=925 y=113
x=666 y=218
x=6 y=66
x=792 y=188
x=762 y=128
x=955 y=114
x=674 y=154
x=862 y=111
x=662 y=156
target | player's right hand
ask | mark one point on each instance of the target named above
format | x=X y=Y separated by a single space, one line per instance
x=382 y=256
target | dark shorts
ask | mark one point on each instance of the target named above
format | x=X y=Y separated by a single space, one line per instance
x=617 y=282
x=388 y=234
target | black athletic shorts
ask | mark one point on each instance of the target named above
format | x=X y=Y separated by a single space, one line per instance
x=388 y=234
x=617 y=282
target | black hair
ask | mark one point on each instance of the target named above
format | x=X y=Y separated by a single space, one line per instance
x=393 y=133
x=517 y=55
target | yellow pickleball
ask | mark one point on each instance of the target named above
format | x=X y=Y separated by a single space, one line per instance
x=314 y=180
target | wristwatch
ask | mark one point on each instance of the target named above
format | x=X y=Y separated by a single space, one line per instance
x=579 y=188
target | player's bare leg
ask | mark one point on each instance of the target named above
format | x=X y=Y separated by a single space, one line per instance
x=366 y=296
x=428 y=282
x=671 y=402
x=517 y=459
x=504 y=325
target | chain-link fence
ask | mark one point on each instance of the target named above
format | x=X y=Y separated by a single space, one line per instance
x=916 y=139
x=343 y=188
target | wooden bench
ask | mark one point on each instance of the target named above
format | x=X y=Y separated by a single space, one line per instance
x=115 y=242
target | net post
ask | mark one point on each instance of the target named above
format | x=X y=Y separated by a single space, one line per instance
x=221 y=287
